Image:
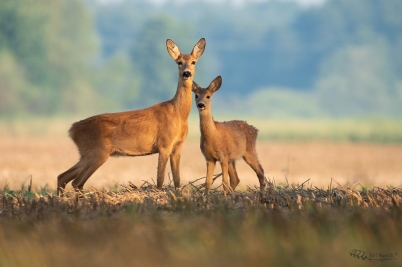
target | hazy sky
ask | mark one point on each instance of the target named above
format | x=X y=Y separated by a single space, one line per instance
x=302 y=2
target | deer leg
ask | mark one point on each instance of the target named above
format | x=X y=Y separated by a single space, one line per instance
x=67 y=176
x=234 y=178
x=91 y=165
x=225 y=178
x=210 y=173
x=162 y=161
x=252 y=160
x=175 y=164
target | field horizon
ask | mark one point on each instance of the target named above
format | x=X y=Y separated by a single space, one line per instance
x=365 y=164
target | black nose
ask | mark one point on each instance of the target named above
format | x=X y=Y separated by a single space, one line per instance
x=186 y=74
x=201 y=105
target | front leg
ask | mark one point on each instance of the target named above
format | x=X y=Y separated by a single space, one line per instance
x=210 y=172
x=225 y=167
x=162 y=161
x=175 y=164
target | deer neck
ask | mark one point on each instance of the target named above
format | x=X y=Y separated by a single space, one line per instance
x=207 y=124
x=183 y=97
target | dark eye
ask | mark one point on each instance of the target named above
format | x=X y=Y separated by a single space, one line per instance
x=179 y=63
x=208 y=97
x=193 y=62
x=196 y=96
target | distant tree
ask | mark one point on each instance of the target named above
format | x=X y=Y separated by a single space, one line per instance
x=359 y=80
x=11 y=85
x=52 y=43
x=156 y=71
x=118 y=83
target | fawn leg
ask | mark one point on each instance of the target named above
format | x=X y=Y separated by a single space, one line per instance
x=210 y=173
x=252 y=160
x=234 y=178
x=226 y=187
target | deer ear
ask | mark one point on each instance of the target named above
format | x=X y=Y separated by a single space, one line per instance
x=172 y=49
x=215 y=84
x=198 y=48
x=195 y=87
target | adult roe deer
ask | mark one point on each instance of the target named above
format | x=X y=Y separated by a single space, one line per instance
x=225 y=141
x=161 y=128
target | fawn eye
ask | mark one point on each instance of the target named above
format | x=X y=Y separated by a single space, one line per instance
x=193 y=62
x=196 y=96
x=179 y=63
x=208 y=97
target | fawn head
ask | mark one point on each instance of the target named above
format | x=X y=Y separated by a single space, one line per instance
x=186 y=62
x=203 y=96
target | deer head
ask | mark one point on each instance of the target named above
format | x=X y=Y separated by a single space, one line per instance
x=203 y=96
x=186 y=63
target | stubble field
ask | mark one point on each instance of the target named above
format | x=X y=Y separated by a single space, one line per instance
x=328 y=203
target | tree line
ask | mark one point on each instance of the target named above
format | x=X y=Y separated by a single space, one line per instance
x=277 y=59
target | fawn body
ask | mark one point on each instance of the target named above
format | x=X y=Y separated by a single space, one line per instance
x=225 y=141
x=161 y=128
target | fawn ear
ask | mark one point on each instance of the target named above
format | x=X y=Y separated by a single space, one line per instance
x=215 y=84
x=198 y=48
x=195 y=87
x=173 y=49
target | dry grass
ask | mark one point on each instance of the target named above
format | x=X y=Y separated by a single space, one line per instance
x=281 y=226
x=28 y=205
x=324 y=200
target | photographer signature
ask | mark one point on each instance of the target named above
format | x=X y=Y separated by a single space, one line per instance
x=372 y=256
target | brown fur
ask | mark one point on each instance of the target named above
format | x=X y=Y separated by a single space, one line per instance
x=225 y=141
x=161 y=128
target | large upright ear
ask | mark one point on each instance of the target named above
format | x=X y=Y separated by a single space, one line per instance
x=173 y=49
x=215 y=84
x=198 y=48
x=195 y=87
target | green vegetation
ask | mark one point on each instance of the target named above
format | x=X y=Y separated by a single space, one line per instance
x=282 y=226
x=334 y=130
x=46 y=48
x=277 y=59
x=349 y=130
x=378 y=130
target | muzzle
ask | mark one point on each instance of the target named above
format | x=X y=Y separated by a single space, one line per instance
x=201 y=105
x=186 y=74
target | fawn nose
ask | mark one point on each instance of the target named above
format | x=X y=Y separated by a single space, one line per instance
x=200 y=105
x=186 y=74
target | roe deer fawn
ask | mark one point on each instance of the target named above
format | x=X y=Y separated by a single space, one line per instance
x=161 y=128
x=225 y=141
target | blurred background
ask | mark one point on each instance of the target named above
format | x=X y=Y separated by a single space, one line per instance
x=324 y=71
x=278 y=58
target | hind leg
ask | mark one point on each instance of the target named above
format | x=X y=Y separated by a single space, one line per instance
x=251 y=158
x=91 y=164
x=67 y=176
x=234 y=178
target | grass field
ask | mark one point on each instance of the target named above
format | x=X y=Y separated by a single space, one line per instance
x=328 y=198
x=142 y=226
